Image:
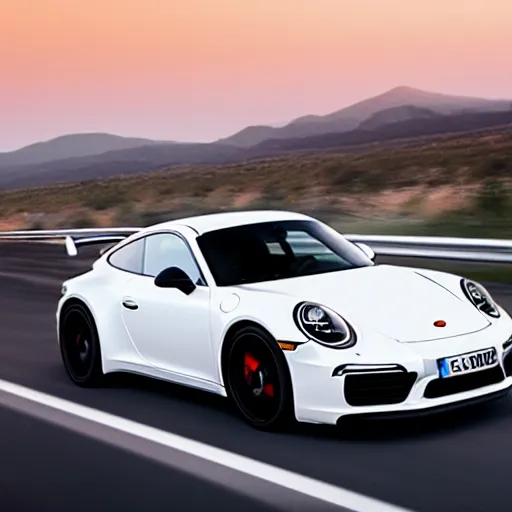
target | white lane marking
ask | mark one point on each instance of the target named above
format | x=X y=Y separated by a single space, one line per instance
x=308 y=486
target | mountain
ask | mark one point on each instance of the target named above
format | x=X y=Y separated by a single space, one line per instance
x=351 y=117
x=440 y=124
x=72 y=146
x=151 y=157
x=383 y=118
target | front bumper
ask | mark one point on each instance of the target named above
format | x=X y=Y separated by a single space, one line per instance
x=399 y=382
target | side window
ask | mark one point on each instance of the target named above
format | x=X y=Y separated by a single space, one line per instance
x=167 y=250
x=129 y=257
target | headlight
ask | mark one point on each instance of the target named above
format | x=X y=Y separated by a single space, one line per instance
x=480 y=297
x=324 y=326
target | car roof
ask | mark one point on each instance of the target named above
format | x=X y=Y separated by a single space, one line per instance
x=211 y=222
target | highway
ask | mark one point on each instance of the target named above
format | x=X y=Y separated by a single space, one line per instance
x=450 y=462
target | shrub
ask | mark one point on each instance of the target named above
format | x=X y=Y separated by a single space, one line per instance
x=104 y=198
x=493 y=199
x=79 y=221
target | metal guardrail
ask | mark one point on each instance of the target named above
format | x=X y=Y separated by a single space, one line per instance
x=48 y=234
x=73 y=237
x=470 y=249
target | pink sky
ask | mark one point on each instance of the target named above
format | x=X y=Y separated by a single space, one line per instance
x=203 y=69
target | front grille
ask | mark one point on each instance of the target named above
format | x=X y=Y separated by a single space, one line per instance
x=380 y=388
x=507 y=364
x=452 y=385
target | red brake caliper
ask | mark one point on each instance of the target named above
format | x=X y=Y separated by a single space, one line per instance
x=251 y=365
x=268 y=389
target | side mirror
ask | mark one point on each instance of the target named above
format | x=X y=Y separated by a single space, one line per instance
x=368 y=251
x=174 y=277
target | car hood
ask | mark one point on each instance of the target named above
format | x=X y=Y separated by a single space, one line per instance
x=397 y=302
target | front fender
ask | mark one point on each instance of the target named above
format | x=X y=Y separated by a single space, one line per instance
x=273 y=313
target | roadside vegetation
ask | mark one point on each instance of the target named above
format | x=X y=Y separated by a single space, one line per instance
x=456 y=186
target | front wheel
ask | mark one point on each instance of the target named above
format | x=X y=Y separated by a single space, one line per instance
x=258 y=380
x=79 y=346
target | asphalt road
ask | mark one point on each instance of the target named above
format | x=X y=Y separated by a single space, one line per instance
x=451 y=462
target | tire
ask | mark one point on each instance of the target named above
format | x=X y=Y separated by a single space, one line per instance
x=79 y=346
x=258 y=380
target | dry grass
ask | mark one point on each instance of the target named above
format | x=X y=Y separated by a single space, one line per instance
x=414 y=181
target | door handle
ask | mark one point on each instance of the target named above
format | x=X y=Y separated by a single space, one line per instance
x=130 y=304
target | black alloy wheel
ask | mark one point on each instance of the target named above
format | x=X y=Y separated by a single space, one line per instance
x=79 y=346
x=258 y=380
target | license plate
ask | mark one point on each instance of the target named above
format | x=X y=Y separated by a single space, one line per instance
x=467 y=363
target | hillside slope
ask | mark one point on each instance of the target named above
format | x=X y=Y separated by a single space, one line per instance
x=116 y=163
x=72 y=146
x=438 y=125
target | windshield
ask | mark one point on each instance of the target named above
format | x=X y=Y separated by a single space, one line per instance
x=277 y=250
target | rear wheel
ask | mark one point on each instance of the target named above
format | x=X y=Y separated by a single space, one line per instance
x=258 y=380
x=79 y=346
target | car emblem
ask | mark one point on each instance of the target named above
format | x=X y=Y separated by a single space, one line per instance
x=440 y=323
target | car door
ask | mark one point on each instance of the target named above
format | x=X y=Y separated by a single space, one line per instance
x=171 y=330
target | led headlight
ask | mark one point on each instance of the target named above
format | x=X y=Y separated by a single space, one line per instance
x=323 y=325
x=480 y=298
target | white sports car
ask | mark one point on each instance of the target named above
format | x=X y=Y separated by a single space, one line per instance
x=286 y=317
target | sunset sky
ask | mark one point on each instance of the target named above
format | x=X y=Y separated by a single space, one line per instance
x=198 y=70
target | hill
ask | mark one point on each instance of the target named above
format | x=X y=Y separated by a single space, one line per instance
x=351 y=117
x=152 y=157
x=72 y=146
x=411 y=129
x=83 y=157
x=116 y=163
